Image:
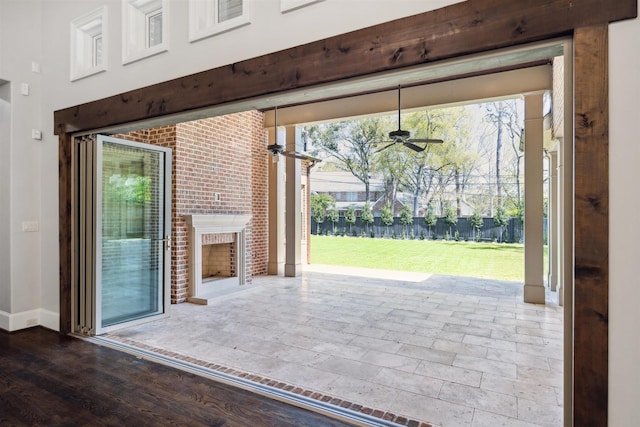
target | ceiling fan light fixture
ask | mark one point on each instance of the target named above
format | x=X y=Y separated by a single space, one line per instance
x=399 y=134
x=278 y=149
x=275 y=148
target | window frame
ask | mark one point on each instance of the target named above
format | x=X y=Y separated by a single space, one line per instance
x=210 y=8
x=84 y=32
x=147 y=32
x=135 y=29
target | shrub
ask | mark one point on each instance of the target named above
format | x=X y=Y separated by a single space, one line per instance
x=450 y=217
x=476 y=222
x=386 y=216
x=367 y=216
x=350 y=216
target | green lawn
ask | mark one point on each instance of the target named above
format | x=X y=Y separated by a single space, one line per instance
x=487 y=260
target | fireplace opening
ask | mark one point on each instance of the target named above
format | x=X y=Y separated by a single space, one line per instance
x=218 y=261
x=218 y=256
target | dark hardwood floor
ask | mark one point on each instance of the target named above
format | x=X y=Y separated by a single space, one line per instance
x=48 y=379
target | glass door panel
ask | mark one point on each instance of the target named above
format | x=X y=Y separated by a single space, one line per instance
x=133 y=232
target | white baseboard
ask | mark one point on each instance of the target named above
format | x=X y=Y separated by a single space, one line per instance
x=4 y=320
x=49 y=319
x=40 y=317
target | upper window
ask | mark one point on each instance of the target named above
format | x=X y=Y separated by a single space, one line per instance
x=88 y=44
x=209 y=17
x=144 y=29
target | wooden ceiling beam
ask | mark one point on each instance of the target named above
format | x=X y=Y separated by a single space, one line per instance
x=460 y=29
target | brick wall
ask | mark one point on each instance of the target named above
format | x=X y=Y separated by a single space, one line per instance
x=223 y=156
x=259 y=197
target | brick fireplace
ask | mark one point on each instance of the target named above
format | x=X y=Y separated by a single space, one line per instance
x=211 y=179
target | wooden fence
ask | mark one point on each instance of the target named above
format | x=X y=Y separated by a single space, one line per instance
x=513 y=232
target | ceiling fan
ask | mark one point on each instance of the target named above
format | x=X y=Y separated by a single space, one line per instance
x=278 y=149
x=403 y=137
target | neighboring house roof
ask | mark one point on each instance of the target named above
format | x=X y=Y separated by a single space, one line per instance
x=341 y=181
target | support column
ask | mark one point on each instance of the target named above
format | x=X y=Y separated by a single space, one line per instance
x=562 y=226
x=554 y=211
x=534 y=291
x=293 y=219
x=275 y=265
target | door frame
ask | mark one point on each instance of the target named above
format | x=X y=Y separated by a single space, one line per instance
x=460 y=29
x=164 y=297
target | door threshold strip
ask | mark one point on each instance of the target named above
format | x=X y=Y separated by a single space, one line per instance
x=313 y=401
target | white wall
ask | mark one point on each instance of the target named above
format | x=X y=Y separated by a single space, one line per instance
x=5 y=177
x=24 y=157
x=269 y=31
x=624 y=235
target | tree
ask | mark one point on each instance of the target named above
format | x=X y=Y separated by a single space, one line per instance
x=319 y=205
x=501 y=218
x=386 y=216
x=134 y=189
x=367 y=215
x=430 y=219
x=352 y=143
x=333 y=216
x=450 y=218
x=497 y=115
x=350 y=217
x=476 y=221
x=422 y=172
x=392 y=163
x=406 y=217
x=506 y=119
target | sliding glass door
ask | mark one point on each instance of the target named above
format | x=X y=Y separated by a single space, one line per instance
x=123 y=233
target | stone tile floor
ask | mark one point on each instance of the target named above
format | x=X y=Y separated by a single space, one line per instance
x=451 y=351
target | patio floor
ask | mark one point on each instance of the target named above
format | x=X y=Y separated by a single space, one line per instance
x=450 y=351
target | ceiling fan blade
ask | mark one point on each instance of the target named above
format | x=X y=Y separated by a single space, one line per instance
x=413 y=146
x=301 y=156
x=427 y=140
x=385 y=147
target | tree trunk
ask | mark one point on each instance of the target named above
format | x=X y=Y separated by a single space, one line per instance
x=458 y=194
x=366 y=191
x=417 y=190
x=498 y=150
